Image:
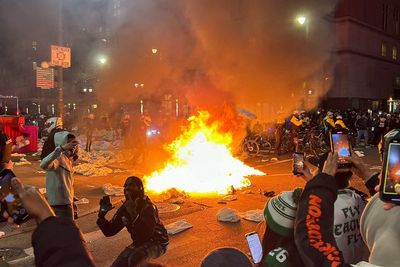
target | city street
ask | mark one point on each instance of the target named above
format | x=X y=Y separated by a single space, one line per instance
x=186 y=248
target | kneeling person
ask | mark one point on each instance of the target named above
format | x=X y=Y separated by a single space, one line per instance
x=140 y=216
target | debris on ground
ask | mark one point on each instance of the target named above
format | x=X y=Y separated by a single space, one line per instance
x=228 y=215
x=359 y=153
x=222 y=202
x=178 y=227
x=247 y=192
x=88 y=169
x=22 y=161
x=18 y=155
x=40 y=172
x=82 y=201
x=2 y=234
x=269 y=193
x=113 y=190
x=229 y=198
x=178 y=200
x=252 y=215
x=42 y=190
x=274 y=159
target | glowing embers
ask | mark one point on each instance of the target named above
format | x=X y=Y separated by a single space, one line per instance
x=201 y=162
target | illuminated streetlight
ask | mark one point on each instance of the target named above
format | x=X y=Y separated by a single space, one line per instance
x=154 y=50
x=301 y=20
x=102 y=60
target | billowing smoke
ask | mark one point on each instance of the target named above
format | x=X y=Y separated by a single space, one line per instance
x=251 y=53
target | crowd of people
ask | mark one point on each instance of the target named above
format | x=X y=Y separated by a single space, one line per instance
x=326 y=223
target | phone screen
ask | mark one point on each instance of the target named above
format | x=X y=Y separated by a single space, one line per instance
x=255 y=247
x=298 y=163
x=392 y=174
x=12 y=202
x=341 y=145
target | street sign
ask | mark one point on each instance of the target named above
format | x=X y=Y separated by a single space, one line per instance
x=60 y=56
x=44 y=78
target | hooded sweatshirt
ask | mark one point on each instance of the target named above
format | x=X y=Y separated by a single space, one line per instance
x=59 y=170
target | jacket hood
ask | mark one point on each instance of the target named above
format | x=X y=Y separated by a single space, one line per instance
x=61 y=138
x=380 y=230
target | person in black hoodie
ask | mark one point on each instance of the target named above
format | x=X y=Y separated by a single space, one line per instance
x=140 y=216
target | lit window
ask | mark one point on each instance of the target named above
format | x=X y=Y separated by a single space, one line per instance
x=384 y=50
x=394 y=53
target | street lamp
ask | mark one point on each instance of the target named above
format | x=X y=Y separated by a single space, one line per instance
x=102 y=60
x=301 y=20
x=154 y=50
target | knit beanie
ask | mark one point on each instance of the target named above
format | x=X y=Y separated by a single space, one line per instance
x=226 y=257
x=280 y=212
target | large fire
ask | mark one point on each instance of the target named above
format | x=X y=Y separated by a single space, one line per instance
x=201 y=162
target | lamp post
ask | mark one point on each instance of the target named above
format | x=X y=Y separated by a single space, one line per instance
x=304 y=21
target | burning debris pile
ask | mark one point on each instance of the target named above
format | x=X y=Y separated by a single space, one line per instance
x=201 y=162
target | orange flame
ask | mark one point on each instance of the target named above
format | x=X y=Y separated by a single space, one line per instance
x=201 y=162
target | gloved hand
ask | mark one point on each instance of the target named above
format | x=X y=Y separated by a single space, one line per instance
x=105 y=206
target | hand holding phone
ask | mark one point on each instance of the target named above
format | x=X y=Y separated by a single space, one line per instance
x=298 y=163
x=341 y=145
x=391 y=174
x=10 y=199
x=254 y=243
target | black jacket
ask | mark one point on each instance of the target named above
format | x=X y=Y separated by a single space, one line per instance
x=58 y=242
x=314 y=224
x=146 y=227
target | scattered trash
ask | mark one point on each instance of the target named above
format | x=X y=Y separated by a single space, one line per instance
x=167 y=207
x=274 y=159
x=88 y=169
x=42 y=190
x=247 y=192
x=82 y=201
x=20 y=163
x=18 y=155
x=112 y=190
x=177 y=200
x=252 y=215
x=229 y=198
x=118 y=171
x=228 y=215
x=2 y=234
x=359 y=153
x=23 y=159
x=222 y=202
x=178 y=227
x=36 y=154
x=269 y=193
x=40 y=172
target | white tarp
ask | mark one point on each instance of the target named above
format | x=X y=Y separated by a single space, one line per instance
x=178 y=227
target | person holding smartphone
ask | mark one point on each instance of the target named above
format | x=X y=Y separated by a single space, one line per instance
x=68 y=249
x=314 y=225
x=59 y=174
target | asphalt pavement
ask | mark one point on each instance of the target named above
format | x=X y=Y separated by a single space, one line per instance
x=185 y=249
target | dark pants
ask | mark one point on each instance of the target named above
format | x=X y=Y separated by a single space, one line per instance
x=89 y=139
x=64 y=211
x=133 y=255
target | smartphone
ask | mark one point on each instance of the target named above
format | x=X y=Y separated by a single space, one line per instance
x=11 y=202
x=391 y=174
x=340 y=143
x=254 y=243
x=298 y=163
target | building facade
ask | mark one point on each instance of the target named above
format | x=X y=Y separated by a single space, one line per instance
x=367 y=61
